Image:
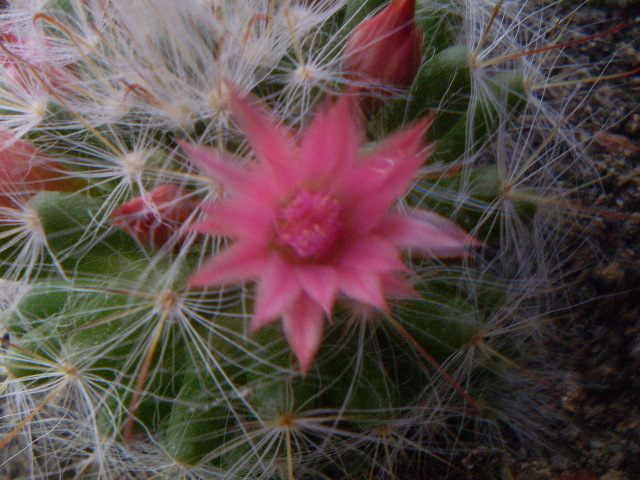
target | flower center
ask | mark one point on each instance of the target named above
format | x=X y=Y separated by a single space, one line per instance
x=309 y=224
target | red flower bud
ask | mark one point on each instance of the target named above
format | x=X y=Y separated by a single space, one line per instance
x=384 y=51
x=25 y=170
x=156 y=217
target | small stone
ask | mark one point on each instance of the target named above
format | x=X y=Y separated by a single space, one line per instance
x=560 y=462
x=635 y=351
x=611 y=273
x=614 y=475
x=596 y=445
x=573 y=432
x=579 y=475
x=537 y=470
x=617 y=459
x=633 y=125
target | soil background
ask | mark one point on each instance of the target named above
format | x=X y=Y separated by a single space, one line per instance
x=597 y=340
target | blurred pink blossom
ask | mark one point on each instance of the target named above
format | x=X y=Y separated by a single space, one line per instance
x=29 y=64
x=25 y=170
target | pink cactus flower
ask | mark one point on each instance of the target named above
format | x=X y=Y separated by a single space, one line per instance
x=156 y=217
x=385 y=50
x=315 y=219
x=25 y=170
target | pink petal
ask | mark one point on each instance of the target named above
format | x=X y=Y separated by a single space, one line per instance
x=320 y=283
x=218 y=166
x=406 y=141
x=394 y=160
x=237 y=219
x=277 y=289
x=238 y=263
x=396 y=287
x=331 y=142
x=372 y=253
x=303 y=326
x=361 y=285
x=427 y=233
x=385 y=49
x=386 y=175
x=269 y=140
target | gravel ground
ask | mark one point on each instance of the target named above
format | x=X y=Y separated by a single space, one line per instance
x=598 y=342
x=601 y=440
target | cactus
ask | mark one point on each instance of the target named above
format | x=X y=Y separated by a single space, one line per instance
x=135 y=349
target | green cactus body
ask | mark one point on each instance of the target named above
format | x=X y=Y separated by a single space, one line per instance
x=32 y=357
x=115 y=411
x=41 y=302
x=66 y=311
x=439 y=21
x=442 y=86
x=202 y=423
x=504 y=98
x=109 y=345
x=441 y=325
x=165 y=362
x=366 y=387
x=272 y=397
x=111 y=353
x=358 y=10
x=74 y=241
x=482 y=205
x=67 y=218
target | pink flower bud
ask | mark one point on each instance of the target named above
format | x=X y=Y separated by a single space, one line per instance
x=384 y=51
x=25 y=170
x=156 y=217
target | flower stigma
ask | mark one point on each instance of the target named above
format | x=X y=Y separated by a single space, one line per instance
x=308 y=225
